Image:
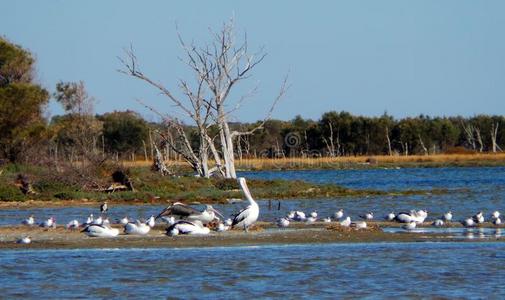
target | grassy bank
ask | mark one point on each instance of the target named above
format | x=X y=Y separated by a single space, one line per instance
x=150 y=187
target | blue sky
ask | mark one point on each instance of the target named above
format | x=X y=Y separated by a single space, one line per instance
x=366 y=57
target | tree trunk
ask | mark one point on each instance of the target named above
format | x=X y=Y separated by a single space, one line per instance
x=390 y=152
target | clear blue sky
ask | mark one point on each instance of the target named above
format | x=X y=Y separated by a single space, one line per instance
x=366 y=57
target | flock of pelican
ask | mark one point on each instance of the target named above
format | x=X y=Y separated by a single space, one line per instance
x=184 y=219
x=181 y=218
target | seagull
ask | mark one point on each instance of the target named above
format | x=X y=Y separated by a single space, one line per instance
x=74 y=224
x=497 y=221
x=468 y=222
x=327 y=220
x=168 y=220
x=404 y=217
x=478 y=217
x=49 y=223
x=186 y=212
x=495 y=214
x=89 y=220
x=95 y=230
x=367 y=216
x=228 y=222
x=438 y=223
x=390 y=217
x=221 y=227
x=24 y=240
x=139 y=228
x=30 y=221
x=283 y=222
x=249 y=215
x=410 y=226
x=97 y=221
x=151 y=222
x=106 y=221
x=187 y=227
x=104 y=208
x=299 y=216
x=124 y=220
x=346 y=222
x=359 y=225
x=311 y=220
x=313 y=214
x=339 y=214
x=448 y=216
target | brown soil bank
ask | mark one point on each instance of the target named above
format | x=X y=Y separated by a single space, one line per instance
x=267 y=234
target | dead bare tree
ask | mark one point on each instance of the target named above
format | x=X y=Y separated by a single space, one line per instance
x=330 y=145
x=390 y=152
x=470 y=138
x=222 y=64
x=494 y=135
x=479 y=139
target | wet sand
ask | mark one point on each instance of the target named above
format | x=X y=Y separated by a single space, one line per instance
x=265 y=233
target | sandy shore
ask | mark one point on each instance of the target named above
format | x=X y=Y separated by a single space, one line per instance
x=60 y=238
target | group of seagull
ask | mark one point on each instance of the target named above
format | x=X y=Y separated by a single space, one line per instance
x=410 y=219
x=181 y=218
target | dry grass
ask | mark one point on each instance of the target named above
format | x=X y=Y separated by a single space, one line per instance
x=474 y=159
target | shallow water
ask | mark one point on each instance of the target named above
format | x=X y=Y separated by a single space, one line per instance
x=471 y=190
x=413 y=270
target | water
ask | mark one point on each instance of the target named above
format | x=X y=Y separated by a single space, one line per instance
x=428 y=270
x=470 y=190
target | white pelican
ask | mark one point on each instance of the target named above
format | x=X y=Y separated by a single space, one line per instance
x=478 y=217
x=124 y=220
x=138 y=227
x=497 y=221
x=186 y=212
x=249 y=215
x=367 y=216
x=283 y=222
x=187 y=227
x=97 y=221
x=468 y=222
x=410 y=226
x=327 y=220
x=359 y=225
x=415 y=216
x=313 y=214
x=74 y=224
x=346 y=222
x=438 y=223
x=390 y=217
x=339 y=214
x=448 y=216
x=30 y=221
x=151 y=222
x=404 y=217
x=49 y=223
x=495 y=214
x=24 y=240
x=95 y=230
x=104 y=208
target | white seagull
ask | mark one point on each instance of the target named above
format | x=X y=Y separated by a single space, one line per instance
x=339 y=214
x=249 y=215
x=327 y=220
x=390 y=217
x=283 y=222
x=151 y=222
x=497 y=221
x=367 y=216
x=448 y=216
x=95 y=230
x=74 y=224
x=346 y=222
x=49 y=223
x=438 y=223
x=24 y=240
x=478 y=217
x=221 y=227
x=495 y=214
x=469 y=222
x=313 y=214
x=30 y=221
x=299 y=216
x=124 y=220
x=89 y=220
x=97 y=221
x=359 y=225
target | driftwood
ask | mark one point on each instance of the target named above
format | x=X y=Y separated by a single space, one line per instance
x=114 y=188
x=24 y=185
x=120 y=177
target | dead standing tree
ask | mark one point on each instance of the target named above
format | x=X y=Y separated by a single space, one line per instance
x=218 y=67
x=222 y=64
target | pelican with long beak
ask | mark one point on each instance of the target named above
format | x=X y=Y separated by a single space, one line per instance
x=95 y=230
x=187 y=227
x=249 y=215
x=186 y=212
